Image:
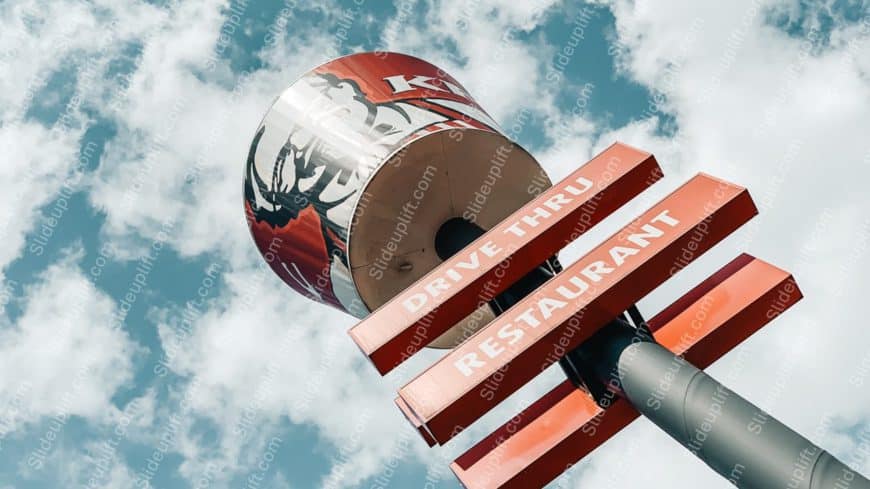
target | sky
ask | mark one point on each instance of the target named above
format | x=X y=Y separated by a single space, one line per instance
x=144 y=343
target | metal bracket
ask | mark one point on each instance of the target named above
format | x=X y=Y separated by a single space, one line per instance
x=582 y=364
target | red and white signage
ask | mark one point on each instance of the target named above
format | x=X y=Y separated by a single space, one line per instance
x=564 y=312
x=505 y=253
x=565 y=425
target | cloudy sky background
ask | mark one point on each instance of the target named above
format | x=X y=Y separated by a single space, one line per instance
x=141 y=337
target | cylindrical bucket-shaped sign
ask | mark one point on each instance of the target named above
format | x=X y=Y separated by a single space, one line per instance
x=359 y=162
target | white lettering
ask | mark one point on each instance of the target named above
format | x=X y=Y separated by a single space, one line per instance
x=649 y=231
x=436 y=286
x=473 y=262
x=619 y=253
x=584 y=182
x=490 y=249
x=491 y=349
x=538 y=214
x=468 y=362
x=573 y=294
x=547 y=306
x=555 y=202
x=665 y=218
x=510 y=333
x=594 y=270
x=400 y=84
x=526 y=317
x=570 y=288
x=415 y=302
x=515 y=229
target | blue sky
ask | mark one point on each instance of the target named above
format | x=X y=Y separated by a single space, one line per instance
x=142 y=339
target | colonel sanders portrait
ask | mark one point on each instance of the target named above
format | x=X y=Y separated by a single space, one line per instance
x=305 y=169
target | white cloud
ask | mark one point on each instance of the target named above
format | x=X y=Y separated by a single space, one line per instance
x=264 y=355
x=240 y=359
x=741 y=94
x=61 y=357
x=51 y=55
x=502 y=73
x=34 y=179
x=753 y=108
x=92 y=465
x=235 y=345
x=185 y=128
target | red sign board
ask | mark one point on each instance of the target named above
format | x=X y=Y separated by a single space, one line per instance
x=505 y=253
x=565 y=425
x=568 y=309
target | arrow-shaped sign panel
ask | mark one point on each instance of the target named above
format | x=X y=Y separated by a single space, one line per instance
x=568 y=309
x=508 y=251
x=565 y=425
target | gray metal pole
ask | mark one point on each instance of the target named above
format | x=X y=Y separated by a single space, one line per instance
x=734 y=437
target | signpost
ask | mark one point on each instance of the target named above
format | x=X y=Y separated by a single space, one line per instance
x=376 y=183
